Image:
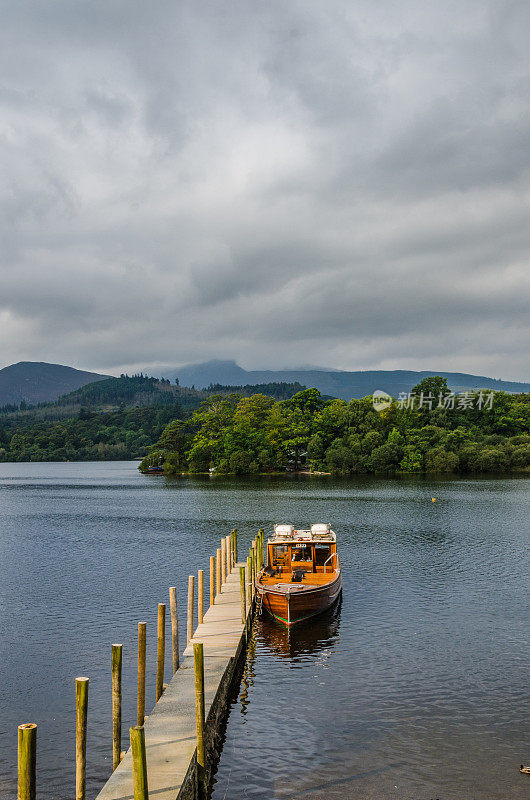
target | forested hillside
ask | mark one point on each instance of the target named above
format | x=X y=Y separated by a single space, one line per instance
x=90 y=436
x=441 y=433
x=115 y=418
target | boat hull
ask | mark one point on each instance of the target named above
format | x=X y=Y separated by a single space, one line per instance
x=296 y=603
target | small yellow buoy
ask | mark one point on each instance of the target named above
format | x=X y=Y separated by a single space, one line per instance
x=433 y=499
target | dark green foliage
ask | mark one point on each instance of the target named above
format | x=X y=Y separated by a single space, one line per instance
x=280 y=391
x=90 y=436
x=76 y=426
x=231 y=434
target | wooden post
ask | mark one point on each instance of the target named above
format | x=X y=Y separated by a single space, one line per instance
x=198 y=663
x=229 y=562
x=242 y=593
x=174 y=627
x=139 y=763
x=261 y=535
x=234 y=544
x=161 y=650
x=248 y=581
x=81 y=711
x=191 y=593
x=117 y=659
x=223 y=560
x=200 y=597
x=27 y=761
x=252 y=570
x=218 y=576
x=212 y=580
x=142 y=647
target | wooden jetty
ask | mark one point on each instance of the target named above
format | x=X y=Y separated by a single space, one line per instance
x=171 y=728
x=175 y=749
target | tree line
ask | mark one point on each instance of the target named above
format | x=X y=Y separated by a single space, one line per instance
x=111 y=419
x=235 y=434
x=89 y=436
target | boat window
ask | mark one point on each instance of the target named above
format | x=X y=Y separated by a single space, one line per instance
x=302 y=553
x=280 y=554
x=322 y=553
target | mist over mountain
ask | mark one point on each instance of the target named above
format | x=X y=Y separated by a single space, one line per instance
x=337 y=383
x=38 y=382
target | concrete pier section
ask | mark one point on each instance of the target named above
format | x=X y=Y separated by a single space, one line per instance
x=170 y=730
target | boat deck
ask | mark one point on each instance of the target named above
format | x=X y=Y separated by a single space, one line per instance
x=311 y=579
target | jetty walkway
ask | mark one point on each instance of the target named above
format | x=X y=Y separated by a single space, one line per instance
x=170 y=730
x=175 y=749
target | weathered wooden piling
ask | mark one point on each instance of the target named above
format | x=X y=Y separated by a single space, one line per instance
x=218 y=575
x=191 y=596
x=161 y=650
x=243 y=594
x=139 y=763
x=27 y=761
x=212 y=580
x=198 y=663
x=248 y=581
x=117 y=660
x=142 y=652
x=261 y=542
x=229 y=562
x=174 y=627
x=223 y=561
x=200 y=596
x=81 y=713
x=252 y=571
x=234 y=534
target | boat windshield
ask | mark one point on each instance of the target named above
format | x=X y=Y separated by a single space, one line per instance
x=302 y=553
x=322 y=553
x=280 y=555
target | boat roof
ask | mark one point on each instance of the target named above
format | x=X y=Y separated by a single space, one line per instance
x=288 y=534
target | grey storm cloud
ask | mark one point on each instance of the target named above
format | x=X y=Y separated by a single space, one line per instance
x=341 y=183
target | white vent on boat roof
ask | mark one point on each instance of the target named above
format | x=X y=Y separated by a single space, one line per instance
x=284 y=531
x=321 y=530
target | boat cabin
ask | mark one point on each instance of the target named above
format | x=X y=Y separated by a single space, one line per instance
x=301 y=553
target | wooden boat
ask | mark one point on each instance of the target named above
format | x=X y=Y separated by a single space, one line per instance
x=303 y=575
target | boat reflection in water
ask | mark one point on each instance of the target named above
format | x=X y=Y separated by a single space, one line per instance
x=315 y=636
x=296 y=644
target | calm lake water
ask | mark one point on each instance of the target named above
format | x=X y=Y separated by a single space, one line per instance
x=416 y=686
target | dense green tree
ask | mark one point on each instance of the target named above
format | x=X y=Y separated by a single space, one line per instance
x=249 y=434
x=385 y=458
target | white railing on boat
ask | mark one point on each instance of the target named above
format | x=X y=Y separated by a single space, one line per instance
x=328 y=559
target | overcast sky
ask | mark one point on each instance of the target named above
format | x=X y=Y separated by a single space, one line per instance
x=331 y=183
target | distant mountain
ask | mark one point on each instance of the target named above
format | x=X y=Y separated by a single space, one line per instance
x=337 y=383
x=37 y=382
